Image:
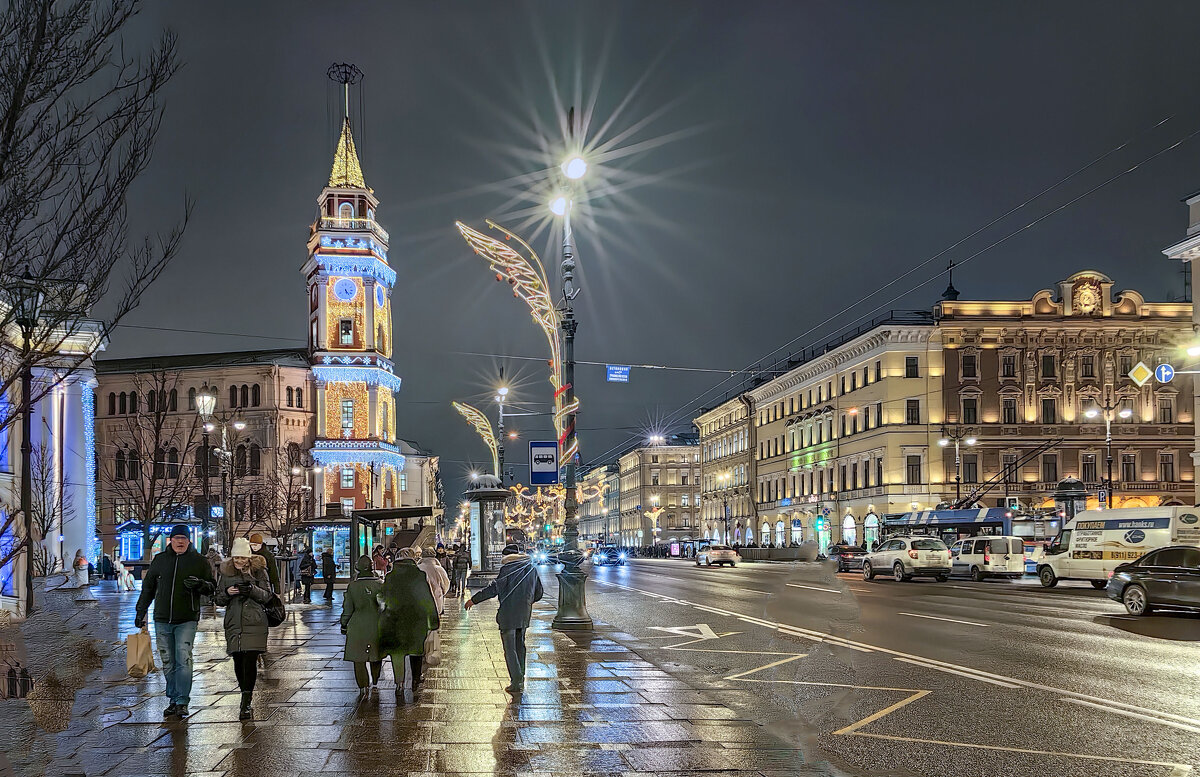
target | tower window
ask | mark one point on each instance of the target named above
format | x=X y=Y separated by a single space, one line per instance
x=290 y=396
x=345 y=211
x=348 y=477
x=346 y=331
x=299 y=397
x=347 y=415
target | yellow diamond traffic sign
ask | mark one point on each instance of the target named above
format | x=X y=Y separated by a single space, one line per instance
x=1141 y=373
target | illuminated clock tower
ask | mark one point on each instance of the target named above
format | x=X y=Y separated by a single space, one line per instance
x=350 y=342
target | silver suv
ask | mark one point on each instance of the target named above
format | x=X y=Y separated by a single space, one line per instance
x=906 y=557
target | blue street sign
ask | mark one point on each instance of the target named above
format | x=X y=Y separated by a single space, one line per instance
x=1102 y=497
x=1164 y=372
x=543 y=463
x=618 y=373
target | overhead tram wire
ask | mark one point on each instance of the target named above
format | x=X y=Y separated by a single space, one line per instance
x=673 y=416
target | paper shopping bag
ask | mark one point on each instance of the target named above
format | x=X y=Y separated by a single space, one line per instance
x=433 y=648
x=139 y=657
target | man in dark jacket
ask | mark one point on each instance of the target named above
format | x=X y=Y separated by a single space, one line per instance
x=328 y=571
x=175 y=581
x=259 y=549
x=458 y=571
x=518 y=586
x=308 y=570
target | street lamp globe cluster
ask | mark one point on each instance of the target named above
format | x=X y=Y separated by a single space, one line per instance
x=959 y=438
x=1107 y=410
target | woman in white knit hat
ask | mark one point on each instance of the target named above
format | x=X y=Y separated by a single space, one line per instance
x=244 y=590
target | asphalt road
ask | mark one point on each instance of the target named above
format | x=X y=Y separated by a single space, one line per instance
x=924 y=678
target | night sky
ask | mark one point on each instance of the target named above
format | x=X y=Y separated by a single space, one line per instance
x=770 y=165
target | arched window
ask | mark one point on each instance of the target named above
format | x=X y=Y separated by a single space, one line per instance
x=112 y=403
x=293 y=454
x=173 y=463
x=345 y=211
x=160 y=462
x=174 y=405
x=255 y=395
x=120 y=470
x=299 y=397
x=134 y=468
x=240 y=461
x=150 y=403
x=233 y=396
x=255 y=459
x=192 y=398
x=291 y=394
x=849 y=531
x=245 y=395
x=380 y=342
x=124 y=403
x=133 y=402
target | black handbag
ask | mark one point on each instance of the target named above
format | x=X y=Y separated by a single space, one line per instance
x=276 y=612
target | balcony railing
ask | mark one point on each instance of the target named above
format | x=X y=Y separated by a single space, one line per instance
x=354 y=225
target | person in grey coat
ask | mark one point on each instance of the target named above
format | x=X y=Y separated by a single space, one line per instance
x=517 y=586
x=244 y=589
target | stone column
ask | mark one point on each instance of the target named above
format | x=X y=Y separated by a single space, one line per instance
x=319 y=387
x=369 y=313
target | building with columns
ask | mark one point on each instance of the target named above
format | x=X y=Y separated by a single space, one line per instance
x=727 y=440
x=350 y=343
x=660 y=493
x=599 y=518
x=1185 y=252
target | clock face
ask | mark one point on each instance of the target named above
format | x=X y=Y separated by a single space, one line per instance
x=345 y=289
x=380 y=297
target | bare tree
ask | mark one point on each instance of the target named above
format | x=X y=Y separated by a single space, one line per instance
x=285 y=493
x=78 y=122
x=49 y=510
x=153 y=472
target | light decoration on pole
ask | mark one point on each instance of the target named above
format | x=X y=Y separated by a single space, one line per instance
x=484 y=427
x=525 y=273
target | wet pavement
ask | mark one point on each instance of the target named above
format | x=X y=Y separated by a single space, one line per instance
x=591 y=706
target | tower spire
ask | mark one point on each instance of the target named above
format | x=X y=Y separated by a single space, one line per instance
x=950 y=293
x=346 y=172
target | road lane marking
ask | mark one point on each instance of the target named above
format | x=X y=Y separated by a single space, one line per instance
x=1139 y=716
x=814 y=588
x=936 y=618
x=854 y=727
x=831 y=639
x=740 y=675
x=1177 y=770
x=956 y=672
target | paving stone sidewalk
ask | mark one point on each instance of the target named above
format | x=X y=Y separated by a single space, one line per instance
x=591 y=706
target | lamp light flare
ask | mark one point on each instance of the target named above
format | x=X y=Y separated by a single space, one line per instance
x=559 y=206
x=1092 y=413
x=1193 y=350
x=1126 y=413
x=574 y=168
x=943 y=442
x=970 y=441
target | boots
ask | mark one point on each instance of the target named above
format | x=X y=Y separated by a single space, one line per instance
x=245 y=713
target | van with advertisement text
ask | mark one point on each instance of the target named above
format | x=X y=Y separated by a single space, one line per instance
x=1096 y=542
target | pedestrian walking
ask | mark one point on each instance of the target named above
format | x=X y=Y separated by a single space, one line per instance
x=294 y=570
x=379 y=561
x=260 y=549
x=407 y=614
x=517 y=586
x=175 y=581
x=80 y=569
x=243 y=590
x=460 y=566
x=443 y=558
x=328 y=572
x=360 y=624
x=308 y=571
x=439 y=581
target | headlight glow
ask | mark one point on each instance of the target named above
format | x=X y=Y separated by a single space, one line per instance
x=622 y=556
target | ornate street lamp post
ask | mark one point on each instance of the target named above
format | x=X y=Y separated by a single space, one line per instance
x=26 y=295
x=206 y=405
x=957 y=436
x=1107 y=409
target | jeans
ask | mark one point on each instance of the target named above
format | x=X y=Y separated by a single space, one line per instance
x=460 y=582
x=514 y=655
x=174 y=641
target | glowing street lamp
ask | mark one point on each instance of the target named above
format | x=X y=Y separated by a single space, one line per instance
x=1106 y=410
x=956 y=436
x=574 y=167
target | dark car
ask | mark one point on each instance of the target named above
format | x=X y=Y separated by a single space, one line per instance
x=847 y=556
x=1167 y=578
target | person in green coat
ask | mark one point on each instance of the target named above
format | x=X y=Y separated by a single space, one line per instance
x=407 y=615
x=360 y=624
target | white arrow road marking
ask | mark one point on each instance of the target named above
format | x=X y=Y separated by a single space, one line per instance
x=700 y=631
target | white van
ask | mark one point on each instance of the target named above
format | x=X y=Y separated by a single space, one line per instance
x=1096 y=541
x=984 y=557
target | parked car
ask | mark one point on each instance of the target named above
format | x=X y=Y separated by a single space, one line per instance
x=717 y=554
x=847 y=556
x=1167 y=578
x=984 y=557
x=608 y=555
x=908 y=557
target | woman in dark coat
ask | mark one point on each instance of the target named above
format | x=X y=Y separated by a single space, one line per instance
x=407 y=615
x=360 y=623
x=244 y=589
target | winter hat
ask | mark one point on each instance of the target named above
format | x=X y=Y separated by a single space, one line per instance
x=409 y=553
x=241 y=547
x=179 y=530
x=364 y=564
x=256 y=538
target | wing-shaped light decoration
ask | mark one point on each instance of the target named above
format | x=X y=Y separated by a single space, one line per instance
x=479 y=421
x=528 y=280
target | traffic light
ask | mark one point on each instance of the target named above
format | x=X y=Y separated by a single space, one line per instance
x=820 y=524
x=547 y=527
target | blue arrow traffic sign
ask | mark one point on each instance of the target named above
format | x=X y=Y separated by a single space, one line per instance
x=1164 y=372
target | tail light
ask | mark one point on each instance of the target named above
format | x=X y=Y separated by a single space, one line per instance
x=1110 y=574
x=912 y=554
